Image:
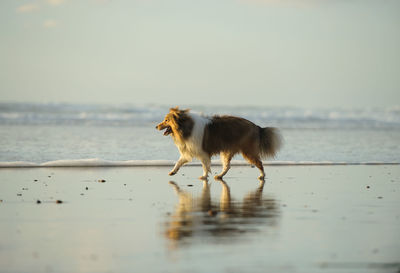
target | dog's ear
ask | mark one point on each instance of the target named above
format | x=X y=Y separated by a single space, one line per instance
x=175 y=113
x=175 y=109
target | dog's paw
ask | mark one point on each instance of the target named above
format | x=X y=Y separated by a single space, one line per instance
x=203 y=177
x=171 y=173
x=218 y=177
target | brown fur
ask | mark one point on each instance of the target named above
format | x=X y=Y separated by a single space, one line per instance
x=228 y=135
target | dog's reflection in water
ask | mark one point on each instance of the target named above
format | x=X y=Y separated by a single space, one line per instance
x=200 y=217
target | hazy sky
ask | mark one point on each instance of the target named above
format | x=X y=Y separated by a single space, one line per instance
x=232 y=52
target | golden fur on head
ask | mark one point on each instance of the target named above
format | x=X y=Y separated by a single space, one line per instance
x=178 y=123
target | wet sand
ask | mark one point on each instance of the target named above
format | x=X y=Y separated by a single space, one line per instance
x=138 y=219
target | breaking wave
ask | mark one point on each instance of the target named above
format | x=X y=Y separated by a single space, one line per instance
x=130 y=115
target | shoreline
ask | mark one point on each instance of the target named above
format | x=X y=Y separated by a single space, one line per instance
x=95 y=162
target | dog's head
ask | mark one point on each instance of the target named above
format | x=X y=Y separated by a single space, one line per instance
x=172 y=120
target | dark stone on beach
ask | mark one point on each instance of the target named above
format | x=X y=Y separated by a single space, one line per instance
x=19 y=194
x=35 y=180
x=87 y=188
x=190 y=185
x=59 y=202
x=82 y=194
x=212 y=212
x=38 y=202
x=380 y=197
x=368 y=187
x=24 y=189
x=49 y=176
x=101 y=180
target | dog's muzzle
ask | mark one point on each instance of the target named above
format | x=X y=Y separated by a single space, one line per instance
x=168 y=129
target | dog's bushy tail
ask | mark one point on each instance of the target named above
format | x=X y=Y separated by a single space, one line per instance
x=270 y=141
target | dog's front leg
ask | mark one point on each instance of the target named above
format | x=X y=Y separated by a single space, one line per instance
x=179 y=163
x=226 y=163
x=206 y=162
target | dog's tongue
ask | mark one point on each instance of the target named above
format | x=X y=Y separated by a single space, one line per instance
x=167 y=131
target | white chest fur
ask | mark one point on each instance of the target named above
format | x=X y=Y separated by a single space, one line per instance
x=192 y=147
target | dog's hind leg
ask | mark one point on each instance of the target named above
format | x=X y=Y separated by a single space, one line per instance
x=226 y=164
x=206 y=162
x=255 y=160
x=182 y=160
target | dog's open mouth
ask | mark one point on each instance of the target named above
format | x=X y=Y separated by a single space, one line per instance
x=167 y=131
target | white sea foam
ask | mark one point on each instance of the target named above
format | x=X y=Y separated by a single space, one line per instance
x=96 y=162
x=91 y=162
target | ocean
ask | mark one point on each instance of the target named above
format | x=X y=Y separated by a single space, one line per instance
x=89 y=135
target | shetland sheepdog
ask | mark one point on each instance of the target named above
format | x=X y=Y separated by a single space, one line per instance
x=201 y=137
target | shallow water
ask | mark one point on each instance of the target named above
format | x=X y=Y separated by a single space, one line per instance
x=44 y=143
x=303 y=219
x=46 y=132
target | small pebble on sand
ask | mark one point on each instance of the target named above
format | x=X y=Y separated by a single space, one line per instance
x=101 y=180
x=212 y=212
x=38 y=202
x=59 y=202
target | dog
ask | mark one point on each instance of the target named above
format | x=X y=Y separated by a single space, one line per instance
x=201 y=137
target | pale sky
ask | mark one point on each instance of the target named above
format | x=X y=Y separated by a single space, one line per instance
x=304 y=53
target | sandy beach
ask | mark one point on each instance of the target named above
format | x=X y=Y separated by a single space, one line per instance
x=138 y=219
